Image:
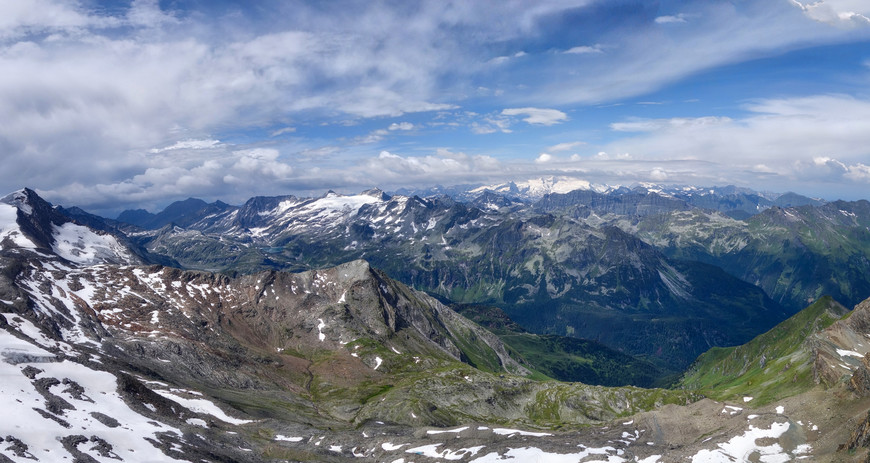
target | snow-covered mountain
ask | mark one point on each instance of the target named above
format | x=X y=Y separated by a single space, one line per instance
x=28 y=222
x=535 y=189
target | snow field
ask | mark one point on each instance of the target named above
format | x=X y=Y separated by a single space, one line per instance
x=19 y=397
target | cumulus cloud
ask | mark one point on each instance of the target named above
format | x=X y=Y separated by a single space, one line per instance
x=229 y=175
x=544 y=158
x=388 y=167
x=821 y=138
x=537 y=116
x=844 y=13
x=658 y=174
x=133 y=99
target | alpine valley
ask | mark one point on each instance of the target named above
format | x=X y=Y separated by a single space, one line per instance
x=547 y=320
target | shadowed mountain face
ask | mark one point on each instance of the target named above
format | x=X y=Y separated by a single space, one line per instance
x=796 y=255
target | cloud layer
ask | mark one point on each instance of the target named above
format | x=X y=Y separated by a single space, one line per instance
x=136 y=105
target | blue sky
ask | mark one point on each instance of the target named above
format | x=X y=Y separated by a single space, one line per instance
x=113 y=105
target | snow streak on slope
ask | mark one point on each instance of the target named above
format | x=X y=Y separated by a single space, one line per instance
x=9 y=228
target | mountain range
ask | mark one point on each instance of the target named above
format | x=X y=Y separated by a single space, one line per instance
x=374 y=327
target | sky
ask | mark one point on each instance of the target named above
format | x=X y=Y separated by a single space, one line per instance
x=110 y=105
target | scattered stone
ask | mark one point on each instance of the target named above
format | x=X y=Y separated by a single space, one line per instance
x=76 y=391
x=30 y=371
x=18 y=448
x=105 y=419
x=103 y=448
x=53 y=403
x=71 y=443
x=45 y=414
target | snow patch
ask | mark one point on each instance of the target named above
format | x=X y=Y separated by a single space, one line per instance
x=431 y=451
x=850 y=353
x=512 y=432
x=442 y=431
x=202 y=406
x=743 y=445
x=79 y=244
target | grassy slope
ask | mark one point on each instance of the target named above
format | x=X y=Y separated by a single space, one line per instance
x=774 y=365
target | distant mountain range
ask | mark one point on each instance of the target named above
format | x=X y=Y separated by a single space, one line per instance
x=184 y=336
x=596 y=262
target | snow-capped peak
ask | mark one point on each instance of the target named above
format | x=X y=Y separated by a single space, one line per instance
x=534 y=189
x=19 y=199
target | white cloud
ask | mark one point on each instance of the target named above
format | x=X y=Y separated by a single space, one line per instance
x=189 y=145
x=544 y=158
x=537 y=116
x=147 y=13
x=491 y=124
x=658 y=174
x=263 y=162
x=21 y=18
x=819 y=140
x=283 y=131
x=652 y=125
x=444 y=164
x=130 y=99
x=379 y=134
x=680 y=18
x=844 y=13
x=647 y=59
x=401 y=126
x=859 y=173
x=565 y=146
x=505 y=59
x=584 y=50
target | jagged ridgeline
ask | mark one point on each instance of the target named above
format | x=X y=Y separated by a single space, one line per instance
x=353 y=361
x=149 y=357
x=659 y=274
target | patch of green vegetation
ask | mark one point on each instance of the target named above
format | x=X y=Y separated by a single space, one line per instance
x=577 y=360
x=477 y=353
x=564 y=358
x=772 y=366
